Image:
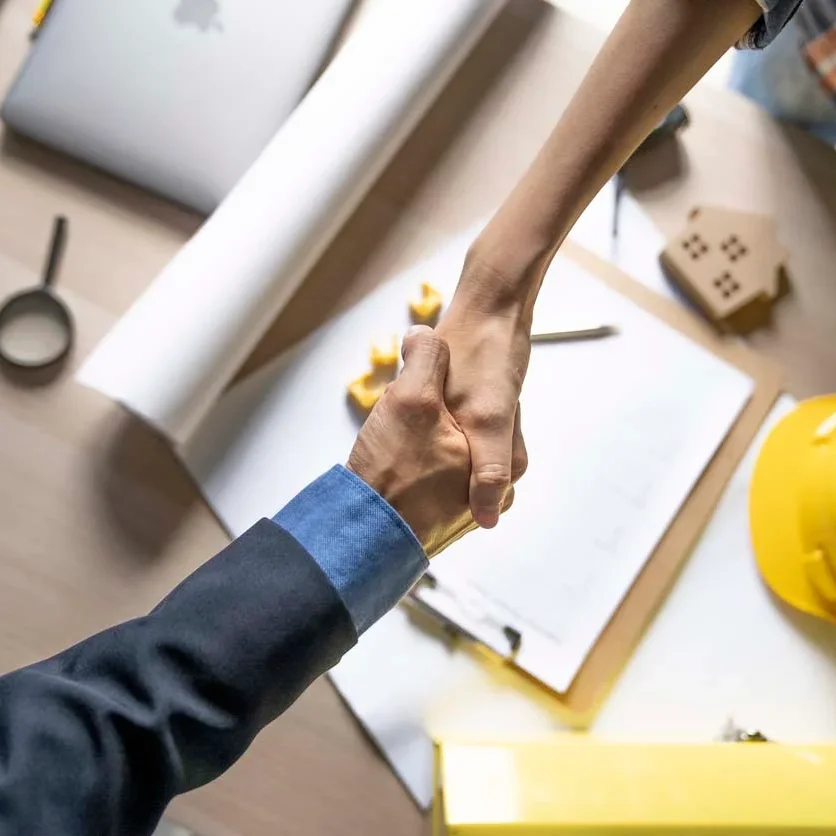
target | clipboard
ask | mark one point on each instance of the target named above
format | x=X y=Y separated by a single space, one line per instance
x=612 y=649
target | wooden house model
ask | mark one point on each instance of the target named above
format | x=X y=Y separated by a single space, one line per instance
x=730 y=264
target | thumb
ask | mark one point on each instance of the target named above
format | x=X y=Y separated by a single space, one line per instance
x=490 y=454
x=426 y=359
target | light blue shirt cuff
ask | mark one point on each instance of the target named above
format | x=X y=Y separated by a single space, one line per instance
x=362 y=544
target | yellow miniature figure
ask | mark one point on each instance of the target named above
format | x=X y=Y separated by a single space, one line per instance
x=368 y=389
x=426 y=310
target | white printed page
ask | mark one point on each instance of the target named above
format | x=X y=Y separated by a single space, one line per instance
x=618 y=431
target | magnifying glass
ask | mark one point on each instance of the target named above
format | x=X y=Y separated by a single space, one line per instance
x=36 y=327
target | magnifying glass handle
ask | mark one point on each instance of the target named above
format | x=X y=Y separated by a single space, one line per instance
x=56 y=248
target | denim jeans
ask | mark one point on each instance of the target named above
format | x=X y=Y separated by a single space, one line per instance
x=780 y=80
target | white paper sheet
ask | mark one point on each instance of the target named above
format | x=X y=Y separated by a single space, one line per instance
x=179 y=346
x=580 y=401
x=636 y=248
x=619 y=431
x=720 y=648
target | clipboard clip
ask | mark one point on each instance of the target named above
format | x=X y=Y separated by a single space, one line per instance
x=511 y=635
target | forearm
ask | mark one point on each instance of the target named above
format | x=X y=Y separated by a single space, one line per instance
x=657 y=52
x=99 y=738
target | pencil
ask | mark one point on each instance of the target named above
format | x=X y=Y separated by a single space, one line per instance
x=579 y=334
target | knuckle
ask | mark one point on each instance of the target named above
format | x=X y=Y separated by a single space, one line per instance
x=423 y=337
x=425 y=342
x=492 y=475
x=421 y=401
x=490 y=417
x=418 y=331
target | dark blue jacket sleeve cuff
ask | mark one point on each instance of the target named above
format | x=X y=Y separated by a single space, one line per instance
x=361 y=543
x=776 y=15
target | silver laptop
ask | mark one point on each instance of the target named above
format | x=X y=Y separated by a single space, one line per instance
x=178 y=96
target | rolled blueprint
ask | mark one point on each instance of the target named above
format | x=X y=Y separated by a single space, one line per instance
x=177 y=348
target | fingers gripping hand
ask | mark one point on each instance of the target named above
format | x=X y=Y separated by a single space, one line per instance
x=488 y=363
x=499 y=459
x=411 y=450
x=490 y=436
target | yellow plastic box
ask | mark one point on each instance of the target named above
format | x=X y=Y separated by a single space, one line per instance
x=589 y=788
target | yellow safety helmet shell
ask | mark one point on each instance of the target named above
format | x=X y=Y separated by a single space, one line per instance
x=792 y=508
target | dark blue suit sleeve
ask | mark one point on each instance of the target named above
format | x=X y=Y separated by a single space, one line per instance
x=98 y=739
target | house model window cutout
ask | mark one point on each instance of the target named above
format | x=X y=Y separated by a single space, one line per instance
x=730 y=264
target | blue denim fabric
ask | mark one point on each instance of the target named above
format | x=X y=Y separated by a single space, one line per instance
x=362 y=544
x=780 y=80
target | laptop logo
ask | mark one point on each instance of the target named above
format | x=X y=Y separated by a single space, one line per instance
x=200 y=13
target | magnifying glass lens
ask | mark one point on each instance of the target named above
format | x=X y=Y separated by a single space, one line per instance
x=35 y=329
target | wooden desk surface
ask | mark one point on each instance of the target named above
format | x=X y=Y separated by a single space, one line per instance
x=98 y=521
x=736 y=155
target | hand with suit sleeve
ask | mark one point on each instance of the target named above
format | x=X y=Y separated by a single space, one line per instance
x=413 y=452
x=98 y=739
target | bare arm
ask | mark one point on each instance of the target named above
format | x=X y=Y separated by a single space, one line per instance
x=656 y=53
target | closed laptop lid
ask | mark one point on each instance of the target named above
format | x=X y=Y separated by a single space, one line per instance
x=179 y=96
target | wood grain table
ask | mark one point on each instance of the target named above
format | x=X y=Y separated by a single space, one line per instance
x=97 y=519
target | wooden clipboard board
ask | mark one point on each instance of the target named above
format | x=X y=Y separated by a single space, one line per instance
x=618 y=640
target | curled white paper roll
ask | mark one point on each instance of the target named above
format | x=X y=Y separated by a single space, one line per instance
x=174 y=352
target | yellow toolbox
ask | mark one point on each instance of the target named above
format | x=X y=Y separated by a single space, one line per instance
x=579 y=786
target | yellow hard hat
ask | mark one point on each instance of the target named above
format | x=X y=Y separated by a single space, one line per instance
x=792 y=508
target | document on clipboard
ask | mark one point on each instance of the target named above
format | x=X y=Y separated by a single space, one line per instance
x=619 y=432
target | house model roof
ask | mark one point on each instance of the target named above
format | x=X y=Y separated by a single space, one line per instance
x=726 y=260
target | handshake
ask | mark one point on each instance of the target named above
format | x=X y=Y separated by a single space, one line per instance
x=444 y=445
